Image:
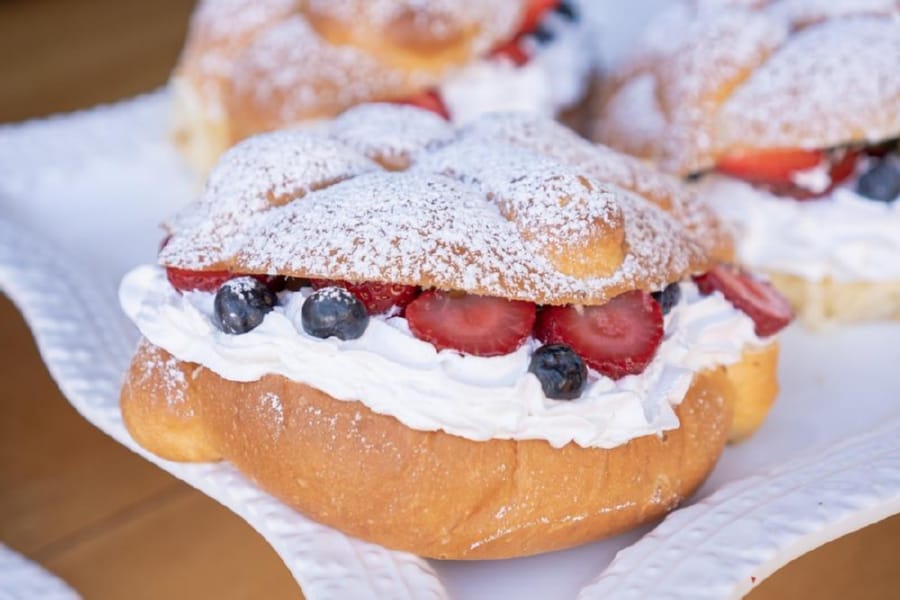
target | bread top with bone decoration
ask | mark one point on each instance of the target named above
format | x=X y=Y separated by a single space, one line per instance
x=510 y=206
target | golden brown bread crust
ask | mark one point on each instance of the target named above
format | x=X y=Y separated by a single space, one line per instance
x=256 y=65
x=711 y=79
x=821 y=303
x=512 y=206
x=431 y=493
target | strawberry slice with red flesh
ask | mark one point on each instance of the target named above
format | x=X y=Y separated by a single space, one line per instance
x=774 y=166
x=185 y=280
x=777 y=168
x=378 y=297
x=513 y=52
x=759 y=300
x=479 y=325
x=534 y=14
x=513 y=49
x=617 y=338
x=429 y=100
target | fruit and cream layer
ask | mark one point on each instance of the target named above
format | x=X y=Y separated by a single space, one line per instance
x=474 y=366
x=813 y=214
x=544 y=69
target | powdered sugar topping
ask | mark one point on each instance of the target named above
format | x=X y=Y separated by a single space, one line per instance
x=485 y=218
x=717 y=75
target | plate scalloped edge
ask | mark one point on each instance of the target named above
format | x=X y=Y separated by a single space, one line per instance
x=22 y=579
x=86 y=343
x=758 y=524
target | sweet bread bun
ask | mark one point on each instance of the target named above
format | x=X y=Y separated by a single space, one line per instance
x=534 y=214
x=821 y=303
x=249 y=67
x=736 y=90
x=429 y=492
x=709 y=79
x=397 y=437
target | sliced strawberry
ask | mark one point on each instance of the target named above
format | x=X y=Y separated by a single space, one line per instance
x=775 y=166
x=513 y=52
x=843 y=166
x=429 y=100
x=185 y=280
x=534 y=14
x=617 y=338
x=760 y=301
x=776 y=169
x=378 y=297
x=479 y=325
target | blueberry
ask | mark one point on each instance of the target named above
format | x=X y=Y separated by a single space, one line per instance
x=333 y=311
x=543 y=35
x=242 y=303
x=668 y=298
x=881 y=182
x=694 y=177
x=560 y=370
x=567 y=10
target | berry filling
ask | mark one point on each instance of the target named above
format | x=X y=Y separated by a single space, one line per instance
x=514 y=50
x=429 y=100
x=881 y=180
x=560 y=370
x=479 y=325
x=334 y=312
x=802 y=174
x=759 y=300
x=241 y=304
x=378 y=298
x=185 y=280
x=616 y=339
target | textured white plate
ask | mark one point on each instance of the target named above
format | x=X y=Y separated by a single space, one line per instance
x=21 y=579
x=80 y=197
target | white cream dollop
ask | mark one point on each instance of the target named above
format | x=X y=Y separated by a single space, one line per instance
x=478 y=398
x=842 y=236
x=553 y=80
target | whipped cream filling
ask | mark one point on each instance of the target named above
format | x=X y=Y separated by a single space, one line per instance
x=843 y=236
x=555 y=78
x=479 y=398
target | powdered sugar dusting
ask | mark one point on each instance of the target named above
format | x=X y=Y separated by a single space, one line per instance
x=715 y=75
x=273 y=410
x=162 y=369
x=482 y=217
x=270 y=62
x=608 y=166
x=392 y=137
x=853 y=64
x=278 y=167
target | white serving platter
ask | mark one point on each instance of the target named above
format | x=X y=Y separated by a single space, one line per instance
x=21 y=579
x=80 y=199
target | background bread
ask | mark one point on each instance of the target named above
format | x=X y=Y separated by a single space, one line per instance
x=712 y=78
x=432 y=493
x=823 y=302
x=256 y=65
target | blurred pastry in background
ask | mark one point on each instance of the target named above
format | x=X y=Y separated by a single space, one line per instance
x=787 y=114
x=253 y=66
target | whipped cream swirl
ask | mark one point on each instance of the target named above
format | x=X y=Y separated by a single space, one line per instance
x=479 y=398
x=842 y=236
x=554 y=79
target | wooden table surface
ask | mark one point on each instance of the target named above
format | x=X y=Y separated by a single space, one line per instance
x=113 y=525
